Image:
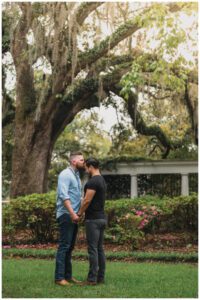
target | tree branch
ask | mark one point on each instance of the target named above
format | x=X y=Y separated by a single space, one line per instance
x=39 y=48
x=156 y=96
x=83 y=96
x=121 y=33
x=26 y=100
x=107 y=64
x=191 y=100
x=153 y=130
x=19 y=43
x=89 y=57
x=84 y=10
x=141 y=127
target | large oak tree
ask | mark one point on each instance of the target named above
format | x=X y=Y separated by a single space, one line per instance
x=52 y=33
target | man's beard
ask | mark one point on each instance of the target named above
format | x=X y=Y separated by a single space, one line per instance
x=80 y=168
x=81 y=171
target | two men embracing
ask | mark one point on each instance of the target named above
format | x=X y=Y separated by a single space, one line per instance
x=70 y=209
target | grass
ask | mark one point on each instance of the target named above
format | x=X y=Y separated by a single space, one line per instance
x=32 y=278
x=110 y=255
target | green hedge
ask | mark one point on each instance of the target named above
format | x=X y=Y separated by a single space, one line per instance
x=180 y=212
x=122 y=255
x=34 y=213
x=128 y=219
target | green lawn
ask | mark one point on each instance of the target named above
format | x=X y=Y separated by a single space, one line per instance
x=31 y=278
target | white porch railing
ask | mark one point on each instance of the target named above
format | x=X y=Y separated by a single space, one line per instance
x=155 y=167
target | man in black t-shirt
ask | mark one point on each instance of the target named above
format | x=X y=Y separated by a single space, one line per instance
x=95 y=220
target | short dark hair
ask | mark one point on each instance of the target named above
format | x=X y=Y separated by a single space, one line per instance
x=73 y=154
x=91 y=161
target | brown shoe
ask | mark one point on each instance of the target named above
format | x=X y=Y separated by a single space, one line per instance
x=74 y=280
x=62 y=282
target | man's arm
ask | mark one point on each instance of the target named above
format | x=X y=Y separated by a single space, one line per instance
x=67 y=204
x=86 y=201
x=73 y=215
x=63 y=190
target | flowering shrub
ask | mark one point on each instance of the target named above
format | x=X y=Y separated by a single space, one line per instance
x=150 y=217
x=130 y=232
x=128 y=219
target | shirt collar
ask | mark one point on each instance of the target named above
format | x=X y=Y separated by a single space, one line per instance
x=75 y=171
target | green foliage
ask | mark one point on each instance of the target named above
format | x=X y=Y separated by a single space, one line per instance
x=150 y=215
x=7 y=148
x=8 y=226
x=110 y=255
x=167 y=68
x=80 y=88
x=6 y=22
x=183 y=213
x=154 y=256
x=169 y=75
x=125 y=224
x=129 y=230
x=164 y=72
x=159 y=108
x=186 y=152
x=128 y=219
x=131 y=79
x=157 y=13
x=35 y=213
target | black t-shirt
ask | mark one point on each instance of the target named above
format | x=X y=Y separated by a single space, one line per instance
x=96 y=208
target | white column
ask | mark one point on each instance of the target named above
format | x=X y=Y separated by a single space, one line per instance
x=184 y=185
x=134 y=190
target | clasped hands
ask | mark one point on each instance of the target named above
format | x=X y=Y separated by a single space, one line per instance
x=75 y=218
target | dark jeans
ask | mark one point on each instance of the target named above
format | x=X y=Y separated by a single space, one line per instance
x=95 y=233
x=68 y=233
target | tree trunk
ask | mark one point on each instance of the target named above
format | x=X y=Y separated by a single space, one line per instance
x=34 y=142
x=31 y=159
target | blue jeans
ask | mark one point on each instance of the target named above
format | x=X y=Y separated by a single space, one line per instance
x=95 y=234
x=68 y=233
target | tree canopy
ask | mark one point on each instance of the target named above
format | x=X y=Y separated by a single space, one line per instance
x=74 y=56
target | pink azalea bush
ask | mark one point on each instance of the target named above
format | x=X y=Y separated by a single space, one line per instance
x=128 y=230
x=149 y=216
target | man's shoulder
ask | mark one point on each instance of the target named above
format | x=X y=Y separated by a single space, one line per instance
x=65 y=173
x=94 y=180
x=98 y=178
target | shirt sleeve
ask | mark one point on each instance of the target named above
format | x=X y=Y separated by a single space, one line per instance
x=91 y=185
x=63 y=186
